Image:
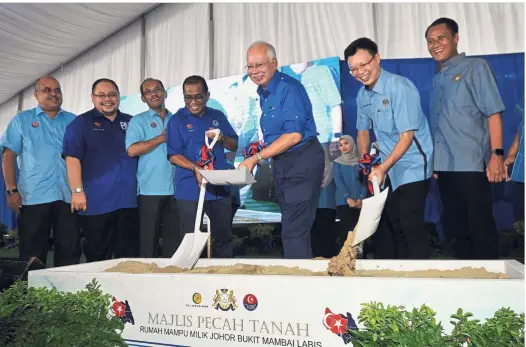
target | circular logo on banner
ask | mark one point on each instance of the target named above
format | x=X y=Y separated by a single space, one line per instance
x=35 y=124
x=196 y=298
x=154 y=125
x=250 y=302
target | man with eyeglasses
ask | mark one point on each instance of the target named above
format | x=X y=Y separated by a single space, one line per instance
x=102 y=177
x=290 y=134
x=42 y=195
x=466 y=121
x=146 y=139
x=390 y=105
x=185 y=138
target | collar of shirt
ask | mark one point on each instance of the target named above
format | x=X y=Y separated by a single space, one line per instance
x=186 y=112
x=450 y=62
x=152 y=113
x=380 y=83
x=39 y=110
x=272 y=84
x=98 y=114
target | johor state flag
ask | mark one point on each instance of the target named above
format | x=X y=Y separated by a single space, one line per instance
x=122 y=310
x=339 y=324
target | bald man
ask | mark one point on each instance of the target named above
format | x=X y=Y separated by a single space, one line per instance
x=290 y=134
x=42 y=195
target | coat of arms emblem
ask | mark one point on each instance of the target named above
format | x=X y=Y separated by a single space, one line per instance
x=225 y=300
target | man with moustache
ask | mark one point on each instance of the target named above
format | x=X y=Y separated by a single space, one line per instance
x=390 y=104
x=290 y=134
x=185 y=135
x=466 y=123
x=42 y=196
x=146 y=139
x=102 y=177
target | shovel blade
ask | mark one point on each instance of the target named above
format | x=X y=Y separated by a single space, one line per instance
x=190 y=250
x=369 y=219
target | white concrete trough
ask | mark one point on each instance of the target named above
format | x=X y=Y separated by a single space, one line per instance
x=217 y=310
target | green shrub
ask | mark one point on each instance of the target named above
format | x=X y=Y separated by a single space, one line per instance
x=41 y=317
x=393 y=326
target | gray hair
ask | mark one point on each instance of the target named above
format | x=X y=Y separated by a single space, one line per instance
x=37 y=83
x=271 y=51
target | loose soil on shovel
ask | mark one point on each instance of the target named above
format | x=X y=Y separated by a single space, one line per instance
x=345 y=262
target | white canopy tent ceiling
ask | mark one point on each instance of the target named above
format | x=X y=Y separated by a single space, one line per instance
x=36 y=38
x=79 y=43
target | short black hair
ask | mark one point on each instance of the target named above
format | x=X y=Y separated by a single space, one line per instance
x=450 y=24
x=148 y=80
x=195 y=79
x=100 y=80
x=361 y=43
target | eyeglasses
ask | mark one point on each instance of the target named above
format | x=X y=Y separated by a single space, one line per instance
x=103 y=96
x=257 y=66
x=48 y=90
x=357 y=69
x=197 y=97
x=153 y=91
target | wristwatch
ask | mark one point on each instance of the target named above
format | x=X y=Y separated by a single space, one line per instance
x=260 y=159
x=10 y=192
x=498 y=151
x=78 y=190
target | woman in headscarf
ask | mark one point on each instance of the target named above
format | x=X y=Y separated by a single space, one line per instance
x=351 y=186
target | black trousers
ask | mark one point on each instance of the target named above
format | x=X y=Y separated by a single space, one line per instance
x=34 y=225
x=159 y=218
x=111 y=234
x=235 y=207
x=401 y=233
x=468 y=214
x=324 y=233
x=220 y=214
x=298 y=176
x=382 y=241
x=348 y=218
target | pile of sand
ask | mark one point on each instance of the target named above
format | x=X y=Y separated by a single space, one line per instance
x=137 y=267
x=344 y=264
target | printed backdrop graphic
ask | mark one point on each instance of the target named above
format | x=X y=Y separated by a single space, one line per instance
x=237 y=97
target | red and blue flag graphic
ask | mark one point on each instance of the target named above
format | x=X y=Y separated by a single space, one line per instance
x=339 y=324
x=122 y=310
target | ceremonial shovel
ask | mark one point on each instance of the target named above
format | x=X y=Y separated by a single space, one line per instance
x=193 y=244
x=370 y=214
